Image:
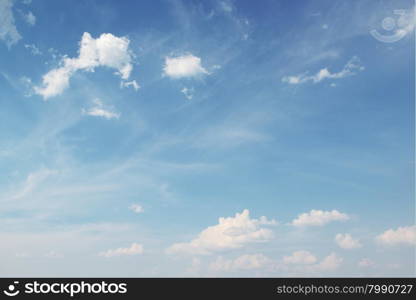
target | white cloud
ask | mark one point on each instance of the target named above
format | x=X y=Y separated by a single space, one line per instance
x=53 y=254
x=183 y=66
x=189 y=93
x=229 y=233
x=402 y=235
x=136 y=208
x=100 y=110
x=134 y=249
x=8 y=30
x=319 y=218
x=243 y=262
x=352 y=66
x=366 y=263
x=133 y=84
x=32 y=182
x=29 y=18
x=107 y=50
x=329 y=263
x=346 y=241
x=300 y=257
x=33 y=49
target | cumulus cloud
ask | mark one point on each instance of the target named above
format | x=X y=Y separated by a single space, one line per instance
x=101 y=110
x=319 y=218
x=8 y=30
x=351 y=68
x=136 y=208
x=107 y=51
x=305 y=262
x=183 y=66
x=346 y=241
x=134 y=249
x=243 y=262
x=329 y=263
x=400 y=236
x=189 y=93
x=229 y=233
x=33 y=49
x=300 y=257
x=133 y=84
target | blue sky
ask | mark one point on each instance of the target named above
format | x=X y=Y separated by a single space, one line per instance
x=207 y=138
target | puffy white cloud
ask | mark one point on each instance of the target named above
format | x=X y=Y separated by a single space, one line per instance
x=329 y=263
x=100 y=110
x=243 y=262
x=319 y=218
x=29 y=18
x=189 y=93
x=134 y=249
x=33 y=49
x=133 y=84
x=54 y=82
x=402 y=235
x=366 y=263
x=107 y=50
x=183 y=66
x=8 y=30
x=53 y=254
x=136 y=208
x=229 y=233
x=346 y=241
x=32 y=181
x=300 y=257
x=352 y=66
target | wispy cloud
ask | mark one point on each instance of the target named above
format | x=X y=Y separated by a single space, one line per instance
x=400 y=236
x=107 y=50
x=136 y=208
x=134 y=249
